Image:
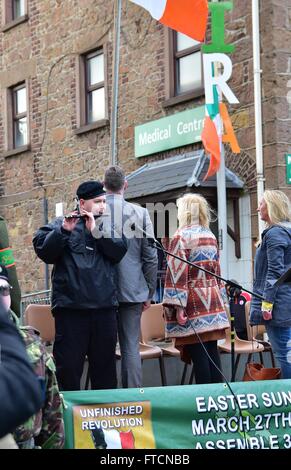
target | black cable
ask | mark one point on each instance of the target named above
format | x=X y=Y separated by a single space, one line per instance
x=157 y=243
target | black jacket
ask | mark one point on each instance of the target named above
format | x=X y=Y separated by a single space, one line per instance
x=20 y=390
x=84 y=274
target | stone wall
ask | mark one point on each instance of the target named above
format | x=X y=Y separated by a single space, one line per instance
x=45 y=51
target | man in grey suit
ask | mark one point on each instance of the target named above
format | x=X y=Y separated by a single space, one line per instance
x=137 y=272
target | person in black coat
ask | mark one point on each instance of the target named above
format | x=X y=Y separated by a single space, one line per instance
x=20 y=390
x=84 y=297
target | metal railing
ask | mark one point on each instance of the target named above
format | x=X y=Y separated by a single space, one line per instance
x=40 y=297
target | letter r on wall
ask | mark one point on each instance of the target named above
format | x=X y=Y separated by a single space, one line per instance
x=220 y=80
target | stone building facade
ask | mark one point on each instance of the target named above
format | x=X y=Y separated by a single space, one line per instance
x=44 y=49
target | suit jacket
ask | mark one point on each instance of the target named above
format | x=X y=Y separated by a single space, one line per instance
x=137 y=271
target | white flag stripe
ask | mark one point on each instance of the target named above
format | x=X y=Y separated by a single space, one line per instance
x=155 y=7
x=112 y=438
x=219 y=128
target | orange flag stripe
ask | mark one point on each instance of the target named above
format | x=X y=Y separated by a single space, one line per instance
x=211 y=144
x=187 y=16
x=229 y=135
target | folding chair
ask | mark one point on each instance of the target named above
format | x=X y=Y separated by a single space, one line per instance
x=153 y=331
x=241 y=346
x=149 y=352
x=40 y=317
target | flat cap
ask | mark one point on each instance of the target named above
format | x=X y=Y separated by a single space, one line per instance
x=90 y=189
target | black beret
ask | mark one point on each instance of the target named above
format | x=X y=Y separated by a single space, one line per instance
x=90 y=189
x=3 y=273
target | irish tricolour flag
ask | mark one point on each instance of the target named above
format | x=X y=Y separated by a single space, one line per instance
x=212 y=134
x=185 y=16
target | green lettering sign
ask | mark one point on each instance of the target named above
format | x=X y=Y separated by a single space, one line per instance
x=170 y=132
x=218 y=28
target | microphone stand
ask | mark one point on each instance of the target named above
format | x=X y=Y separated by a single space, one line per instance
x=233 y=291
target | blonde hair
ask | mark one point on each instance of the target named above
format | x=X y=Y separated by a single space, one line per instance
x=193 y=209
x=278 y=206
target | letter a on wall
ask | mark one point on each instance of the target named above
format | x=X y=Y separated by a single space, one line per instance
x=229 y=135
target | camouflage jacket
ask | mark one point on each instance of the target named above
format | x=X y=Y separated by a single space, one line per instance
x=46 y=428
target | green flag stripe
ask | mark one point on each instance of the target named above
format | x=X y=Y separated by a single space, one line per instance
x=213 y=109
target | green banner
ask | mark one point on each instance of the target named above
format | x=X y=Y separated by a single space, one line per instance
x=184 y=417
x=6 y=257
x=288 y=168
x=170 y=132
x=8 y=260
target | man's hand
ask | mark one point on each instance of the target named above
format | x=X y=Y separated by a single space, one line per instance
x=146 y=305
x=181 y=316
x=70 y=223
x=89 y=219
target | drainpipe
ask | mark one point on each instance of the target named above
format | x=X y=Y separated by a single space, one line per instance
x=258 y=105
x=117 y=21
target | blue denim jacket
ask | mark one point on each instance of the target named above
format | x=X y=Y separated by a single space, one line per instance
x=273 y=258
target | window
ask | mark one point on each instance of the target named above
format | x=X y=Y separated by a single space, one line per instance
x=93 y=109
x=19 y=110
x=185 y=68
x=95 y=91
x=15 y=12
x=17 y=122
x=188 y=68
x=17 y=119
x=18 y=9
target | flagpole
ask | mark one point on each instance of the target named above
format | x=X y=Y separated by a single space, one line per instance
x=222 y=214
x=222 y=202
x=221 y=198
x=258 y=105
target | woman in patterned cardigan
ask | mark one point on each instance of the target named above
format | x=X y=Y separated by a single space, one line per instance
x=193 y=305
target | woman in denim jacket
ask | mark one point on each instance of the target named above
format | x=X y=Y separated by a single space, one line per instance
x=273 y=258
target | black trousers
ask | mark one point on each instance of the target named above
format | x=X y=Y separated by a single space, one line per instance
x=204 y=370
x=81 y=333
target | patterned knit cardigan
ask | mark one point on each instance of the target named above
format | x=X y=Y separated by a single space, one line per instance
x=196 y=290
